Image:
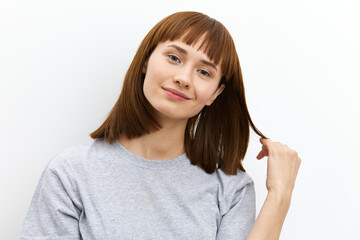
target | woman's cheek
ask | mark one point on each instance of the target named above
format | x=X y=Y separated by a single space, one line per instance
x=205 y=92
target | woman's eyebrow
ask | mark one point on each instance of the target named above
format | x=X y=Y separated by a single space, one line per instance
x=178 y=48
x=185 y=52
x=209 y=64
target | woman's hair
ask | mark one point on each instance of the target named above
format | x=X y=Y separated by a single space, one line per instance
x=219 y=133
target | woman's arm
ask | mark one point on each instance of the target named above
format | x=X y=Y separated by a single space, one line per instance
x=283 y=166
x=271 y=218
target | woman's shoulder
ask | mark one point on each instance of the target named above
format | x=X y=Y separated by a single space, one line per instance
x=241 y=178
x=235 y=189
x=72 y=158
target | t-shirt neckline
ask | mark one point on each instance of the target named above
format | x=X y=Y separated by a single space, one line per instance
x=137 y=160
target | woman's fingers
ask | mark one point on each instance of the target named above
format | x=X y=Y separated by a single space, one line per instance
x=262 y=154
x=264 y=151
x=283 y=165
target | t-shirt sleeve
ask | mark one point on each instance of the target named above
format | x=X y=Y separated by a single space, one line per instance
x=237 y=221
x=52 y=213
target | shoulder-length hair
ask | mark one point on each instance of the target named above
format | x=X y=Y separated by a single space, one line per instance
x=219 y=133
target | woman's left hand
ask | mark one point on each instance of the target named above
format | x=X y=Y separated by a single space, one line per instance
x=282 y=168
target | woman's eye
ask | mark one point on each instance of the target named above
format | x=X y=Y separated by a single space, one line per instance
x=205 y=73
x=174 y=58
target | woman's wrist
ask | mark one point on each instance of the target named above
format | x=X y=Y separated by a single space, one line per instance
x=280 y=199
x=283 y=195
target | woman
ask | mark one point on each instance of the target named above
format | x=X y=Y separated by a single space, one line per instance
x=166 y=163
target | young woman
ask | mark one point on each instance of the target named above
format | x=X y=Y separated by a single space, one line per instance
x=167 y=161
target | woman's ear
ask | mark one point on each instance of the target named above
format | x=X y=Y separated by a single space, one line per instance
x=215 y=94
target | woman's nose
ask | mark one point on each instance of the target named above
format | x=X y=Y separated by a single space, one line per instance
x=183 y=79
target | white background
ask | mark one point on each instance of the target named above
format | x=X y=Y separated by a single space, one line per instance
x=61 y=70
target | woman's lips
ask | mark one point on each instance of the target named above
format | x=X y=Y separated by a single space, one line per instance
x=176 y=95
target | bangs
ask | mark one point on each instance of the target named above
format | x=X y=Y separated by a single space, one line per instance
x=190 y=28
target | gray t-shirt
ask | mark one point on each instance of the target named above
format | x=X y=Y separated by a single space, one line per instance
x=103 y=191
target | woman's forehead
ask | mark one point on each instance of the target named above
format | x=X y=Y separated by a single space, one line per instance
x=190 y=50
x=182 y=46
x=196 y=46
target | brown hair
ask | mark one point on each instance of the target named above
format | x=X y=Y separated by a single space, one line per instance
x=219 y=133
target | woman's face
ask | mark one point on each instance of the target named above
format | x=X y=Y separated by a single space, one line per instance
x=180 y=80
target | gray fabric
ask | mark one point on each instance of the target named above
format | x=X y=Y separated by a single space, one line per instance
x=103 y=191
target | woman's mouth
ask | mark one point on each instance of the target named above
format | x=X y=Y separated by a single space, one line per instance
x=176 y=95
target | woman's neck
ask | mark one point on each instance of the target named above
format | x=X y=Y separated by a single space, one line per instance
x=164 y=144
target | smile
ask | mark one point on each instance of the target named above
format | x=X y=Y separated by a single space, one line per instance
x=176 y=95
